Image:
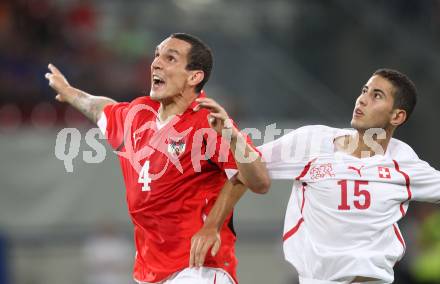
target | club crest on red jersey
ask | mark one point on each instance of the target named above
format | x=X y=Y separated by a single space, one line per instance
x=322 y=171
x=176 y=146
x=384 y=172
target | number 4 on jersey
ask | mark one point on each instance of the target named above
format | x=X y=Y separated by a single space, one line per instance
x=144 y=177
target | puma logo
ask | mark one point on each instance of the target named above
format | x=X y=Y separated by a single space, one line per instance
x=356 y=169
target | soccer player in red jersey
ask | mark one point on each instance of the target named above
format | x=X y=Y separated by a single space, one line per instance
x=181 y=158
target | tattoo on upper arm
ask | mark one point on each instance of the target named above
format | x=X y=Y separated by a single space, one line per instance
x=90 y=106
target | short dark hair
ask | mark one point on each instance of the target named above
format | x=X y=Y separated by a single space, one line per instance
x=405 y=95
x=199 y=56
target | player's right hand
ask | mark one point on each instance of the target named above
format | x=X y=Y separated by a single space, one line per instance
x=201 y=243
x=58 y=82
x=218 y=118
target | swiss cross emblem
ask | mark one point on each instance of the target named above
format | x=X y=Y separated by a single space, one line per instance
x=322 y=171
x=384 y=172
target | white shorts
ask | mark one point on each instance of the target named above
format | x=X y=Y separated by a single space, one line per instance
x=315 y=281
x=202 y=275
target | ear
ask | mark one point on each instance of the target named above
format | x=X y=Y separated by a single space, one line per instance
x=398 y=117
x=195 y=77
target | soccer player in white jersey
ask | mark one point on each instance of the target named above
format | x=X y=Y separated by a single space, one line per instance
x=351 y=187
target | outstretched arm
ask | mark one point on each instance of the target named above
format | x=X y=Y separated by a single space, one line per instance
x=90 y=106
x=209 y=234
x=252 y=170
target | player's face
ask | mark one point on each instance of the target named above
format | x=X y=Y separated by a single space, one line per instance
x=168 y=70
x=374 y=106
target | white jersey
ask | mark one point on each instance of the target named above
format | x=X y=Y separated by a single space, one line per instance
x=341 y=220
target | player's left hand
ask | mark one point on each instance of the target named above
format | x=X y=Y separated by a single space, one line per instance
x=201 y=243
x=58 y=82
x=218 y=117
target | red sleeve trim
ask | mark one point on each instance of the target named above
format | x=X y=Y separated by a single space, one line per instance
x=292 y=231
x=306 y=169
x=408 y=187
x=399 y=236
x=303 y=196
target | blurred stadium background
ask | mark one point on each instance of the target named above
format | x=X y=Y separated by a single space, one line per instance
x=287 y=62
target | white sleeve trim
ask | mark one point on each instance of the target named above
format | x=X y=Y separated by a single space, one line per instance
x=230 y=173
x=102 y=123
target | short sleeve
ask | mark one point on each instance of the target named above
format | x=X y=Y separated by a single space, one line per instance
x=287 y=156
x=112 y=121
x=424 y=181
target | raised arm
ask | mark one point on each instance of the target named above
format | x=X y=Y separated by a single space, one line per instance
x=90 y=106
x=252 y=170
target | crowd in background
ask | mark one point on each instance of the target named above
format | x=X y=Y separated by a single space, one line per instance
x=36 y=32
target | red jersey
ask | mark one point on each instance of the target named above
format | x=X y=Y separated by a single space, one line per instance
x=173 y=175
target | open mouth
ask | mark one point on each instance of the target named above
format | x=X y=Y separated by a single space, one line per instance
x=158 y=82
x=358 y=112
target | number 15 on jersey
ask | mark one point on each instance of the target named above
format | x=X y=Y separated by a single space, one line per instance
x=144 y=177
x=358 y=192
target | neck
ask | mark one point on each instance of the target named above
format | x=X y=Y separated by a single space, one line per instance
x=370 y=145
x=175 y=105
